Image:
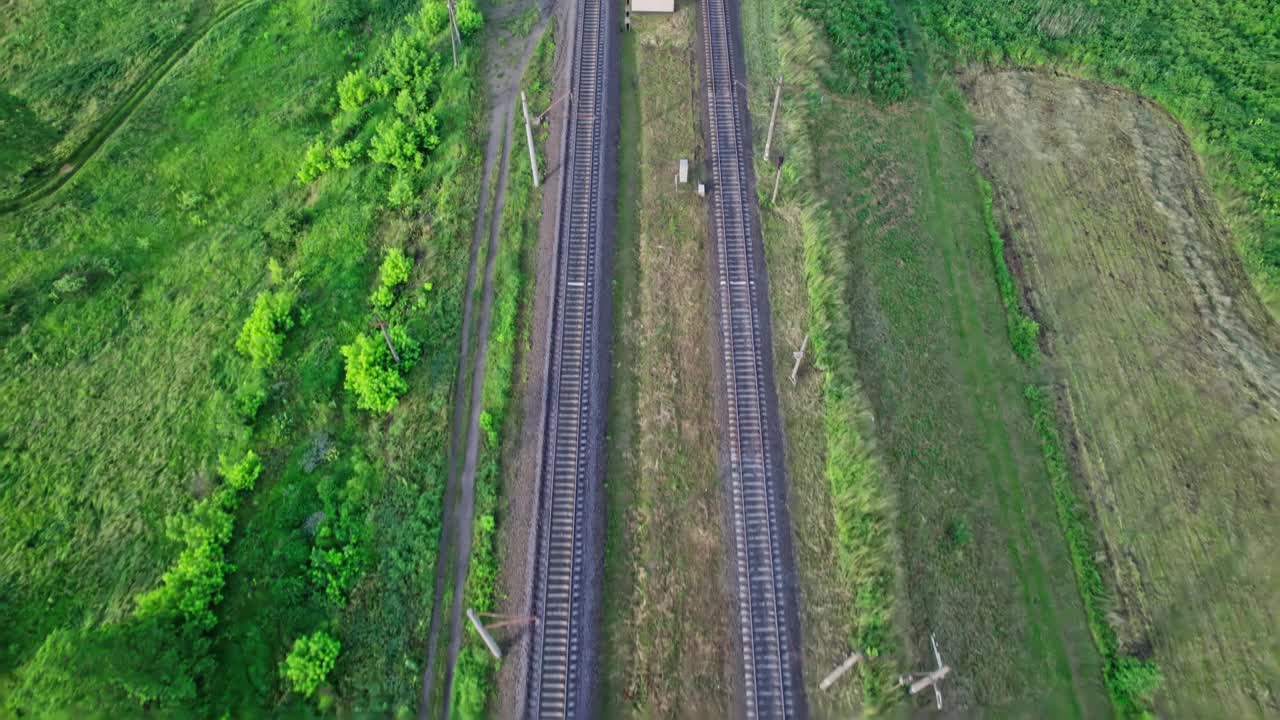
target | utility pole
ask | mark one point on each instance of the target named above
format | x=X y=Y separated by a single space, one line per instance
x=773 y=118
x=386 y=336
x=503 y=621
x=799 y=356
x=777 y=181
x=455 y=38
x=836 y=674
x=528 y=135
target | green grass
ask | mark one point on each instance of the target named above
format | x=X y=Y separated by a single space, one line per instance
x=123 y=390
x=982 y=561
x=1212 y=64
x=68 y=65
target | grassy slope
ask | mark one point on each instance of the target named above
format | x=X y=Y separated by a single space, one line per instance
x=984 y=562
x=829 y=581
x=68 y=64
x=120 y=395
x=665 y=635
x=1184 y=502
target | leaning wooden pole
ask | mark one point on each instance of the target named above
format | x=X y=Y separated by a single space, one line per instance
x=455 y=39
x=773 y=119
x=777 y=182
x=528 y=135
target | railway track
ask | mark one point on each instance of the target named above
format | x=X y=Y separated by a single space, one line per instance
x=770 y=679
x=557 y=677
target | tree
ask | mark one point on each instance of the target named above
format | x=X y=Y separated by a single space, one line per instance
x=314 y=163
x=310 y=661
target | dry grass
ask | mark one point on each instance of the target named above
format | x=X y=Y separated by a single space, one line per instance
x=666 y=635
x=1168 y=365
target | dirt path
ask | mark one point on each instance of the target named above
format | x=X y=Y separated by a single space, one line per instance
x=113 y=122
x=456 y=531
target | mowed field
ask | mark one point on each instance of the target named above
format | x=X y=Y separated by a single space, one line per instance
x=666 y=639
x=1168 y=368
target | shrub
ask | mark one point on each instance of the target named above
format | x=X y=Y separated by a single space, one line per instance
x=194 y=584
x=314 y=163
x=241 y=475
x=282 y=223
x=371 y=374
x=262 y=337
x=354 y=90
x=310 y=661
x=394 y=272
x=346 y=154
x=469 y=18
x=68 y=284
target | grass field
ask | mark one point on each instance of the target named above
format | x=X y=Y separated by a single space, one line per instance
x=666 y=618
x=68 y=65
x=123 y=297
x=982 y=557
x=1166 y=364
x=1211 y=63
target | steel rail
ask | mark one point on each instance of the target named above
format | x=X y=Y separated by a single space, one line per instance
x=769 y=682
x=553 y=689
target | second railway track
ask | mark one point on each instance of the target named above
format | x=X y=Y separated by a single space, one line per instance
x=561 y=671
x=769 y=676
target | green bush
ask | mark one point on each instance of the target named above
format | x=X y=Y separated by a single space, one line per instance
x=867 y=54
x=314 y=163
x=309 y=662
x=243 y=474
x=372 y=374
x=354 y=90
x=469 y=18
x=262 y=337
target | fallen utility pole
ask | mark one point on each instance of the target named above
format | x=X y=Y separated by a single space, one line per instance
x=773 y=118
x=503 y=621
x=777 y=182
x=799 y=356
x=919 y=682
x=386 y=336
x=836 y=674
x=528 y=135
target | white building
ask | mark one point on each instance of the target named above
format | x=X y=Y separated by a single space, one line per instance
x=641 y=6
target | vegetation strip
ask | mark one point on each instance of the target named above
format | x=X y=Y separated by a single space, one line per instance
x=508 y=339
